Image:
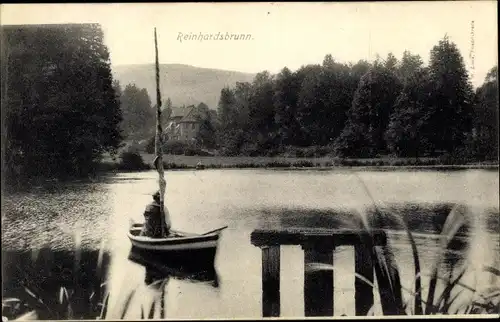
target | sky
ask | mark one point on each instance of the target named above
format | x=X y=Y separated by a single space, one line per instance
x=281 y=34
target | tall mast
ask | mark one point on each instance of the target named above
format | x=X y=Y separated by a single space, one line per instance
x=159 y=140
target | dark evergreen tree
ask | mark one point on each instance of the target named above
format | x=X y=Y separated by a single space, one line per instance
x=451 y=97
x=391 y=62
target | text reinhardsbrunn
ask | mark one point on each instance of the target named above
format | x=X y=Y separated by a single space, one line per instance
x=212 y=36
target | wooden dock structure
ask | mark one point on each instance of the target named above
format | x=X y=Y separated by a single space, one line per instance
x=318 y=246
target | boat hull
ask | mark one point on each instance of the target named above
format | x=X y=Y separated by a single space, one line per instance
x=172 y=245
x=183 y=250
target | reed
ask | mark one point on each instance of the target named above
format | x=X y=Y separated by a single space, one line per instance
x=80 y=301
x=451 y=297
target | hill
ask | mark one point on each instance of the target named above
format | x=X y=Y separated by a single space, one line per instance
x=184 y=84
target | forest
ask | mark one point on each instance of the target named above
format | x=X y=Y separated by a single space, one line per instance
x=387 y=107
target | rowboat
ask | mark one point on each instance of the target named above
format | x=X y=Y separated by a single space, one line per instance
x=180 y=248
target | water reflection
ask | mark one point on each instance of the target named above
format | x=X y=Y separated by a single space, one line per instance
x=156 y=271
x=156 y=295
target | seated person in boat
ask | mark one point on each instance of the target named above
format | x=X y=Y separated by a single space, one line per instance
x=153 y=219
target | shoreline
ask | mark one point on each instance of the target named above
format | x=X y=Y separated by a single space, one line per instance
x=183 y=162
x=386 y=168
x=339 y=169
x=190 y=163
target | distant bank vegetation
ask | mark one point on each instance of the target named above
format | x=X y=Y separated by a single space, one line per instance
x=135 y=161
x=401 y=109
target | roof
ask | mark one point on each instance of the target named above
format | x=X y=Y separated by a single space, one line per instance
x=181 y=111
x=189 y=114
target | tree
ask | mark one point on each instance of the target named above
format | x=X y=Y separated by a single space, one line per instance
x=485 y=122
x=228 y=134
x=451 y=97
x=327 y=99
x=285 y=100
x=261 y=115
x=202 y=108
x=371 y=108
x=408 y=131
x=358 y=70
x=118 y=89
x=61 y=109
x=206 y=136
x=224 y=109
x=138 y=114
x=410 y=65
x=309 y=104
x=168 y=103
x=391 y=62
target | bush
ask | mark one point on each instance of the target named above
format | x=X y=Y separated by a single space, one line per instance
x=131 y=161
x=278 y=164
x=303 y=164
x=189 y=151
x=182 y=148
x=175 y=166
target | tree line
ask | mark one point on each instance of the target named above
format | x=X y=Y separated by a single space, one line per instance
x=61 y=109
x=387 y=107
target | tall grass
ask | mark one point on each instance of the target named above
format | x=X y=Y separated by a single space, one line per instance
x=81 y=301
x=451 y=297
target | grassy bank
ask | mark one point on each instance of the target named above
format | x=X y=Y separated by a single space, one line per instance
x=242 y=162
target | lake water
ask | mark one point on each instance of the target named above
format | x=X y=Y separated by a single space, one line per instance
x=47 y=217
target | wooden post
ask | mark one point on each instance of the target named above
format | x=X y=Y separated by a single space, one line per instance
x=271 y=281
x=318 y=285
x=318 y=246
x=364 y=267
